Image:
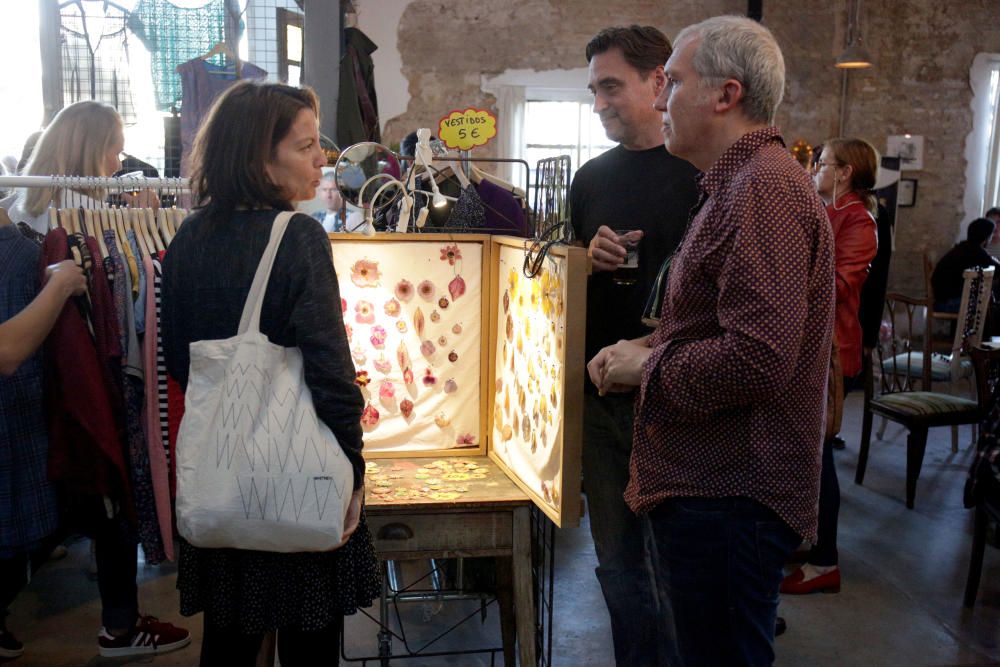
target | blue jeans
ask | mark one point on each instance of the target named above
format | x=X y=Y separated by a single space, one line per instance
x=723 y=561
x=641 y=629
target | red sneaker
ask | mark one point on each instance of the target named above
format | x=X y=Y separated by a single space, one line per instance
x=149 y=637
x=793 y=584
x=9 y=646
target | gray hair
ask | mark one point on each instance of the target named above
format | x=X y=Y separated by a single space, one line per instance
x=735 y=47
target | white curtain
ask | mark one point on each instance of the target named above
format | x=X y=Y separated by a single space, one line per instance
x=510 y=121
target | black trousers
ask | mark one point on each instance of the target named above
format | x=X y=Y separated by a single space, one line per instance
x=296 y=648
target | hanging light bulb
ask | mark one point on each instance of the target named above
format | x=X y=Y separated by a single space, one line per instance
x=855 y=56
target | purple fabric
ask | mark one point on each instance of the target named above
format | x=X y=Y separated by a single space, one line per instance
x=201 y=83
x=503 y=213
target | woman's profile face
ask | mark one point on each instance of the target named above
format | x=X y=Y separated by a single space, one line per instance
x=298 y=159
x=112 y=159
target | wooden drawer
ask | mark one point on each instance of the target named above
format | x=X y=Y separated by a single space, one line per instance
x=461 y=533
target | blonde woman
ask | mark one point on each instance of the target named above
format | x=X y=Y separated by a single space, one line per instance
x=84 y=139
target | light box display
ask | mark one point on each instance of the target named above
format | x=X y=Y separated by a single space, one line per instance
x=459 y=352
x=413 y=312
x=537 y=373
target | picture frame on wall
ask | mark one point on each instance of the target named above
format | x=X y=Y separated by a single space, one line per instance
x=909 y=148
x=907 y=195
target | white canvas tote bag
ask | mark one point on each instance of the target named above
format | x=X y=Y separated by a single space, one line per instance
x=256 y=468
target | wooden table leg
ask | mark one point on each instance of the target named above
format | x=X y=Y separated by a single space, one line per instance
x=505 y=600
x=524 y=599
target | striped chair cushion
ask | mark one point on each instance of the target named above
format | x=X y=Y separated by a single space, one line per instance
x=940 y=366
x=924 y=403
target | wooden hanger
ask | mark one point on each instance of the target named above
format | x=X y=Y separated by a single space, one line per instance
x=94 y=225
x=53 y=218
x=154 y=233
x=496 y=180
x=161 y=223
x=223 y=49
x=4 y=218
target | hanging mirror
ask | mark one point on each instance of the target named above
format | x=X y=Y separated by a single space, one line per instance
x=362 y=169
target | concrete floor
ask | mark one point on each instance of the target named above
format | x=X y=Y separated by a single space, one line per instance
x=901 y=603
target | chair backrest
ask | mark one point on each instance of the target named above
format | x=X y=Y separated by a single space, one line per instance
x=986 y=363
x=899 y=344
x=976 y=292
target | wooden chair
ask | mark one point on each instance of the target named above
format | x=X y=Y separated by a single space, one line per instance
x=985 y=492
x=898 y=401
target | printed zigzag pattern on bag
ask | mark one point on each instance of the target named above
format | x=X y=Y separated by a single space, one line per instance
x=256 y=507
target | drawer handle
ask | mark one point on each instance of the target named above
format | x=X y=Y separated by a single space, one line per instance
x=395 y=531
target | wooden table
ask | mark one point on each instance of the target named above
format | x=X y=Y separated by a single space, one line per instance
x=491 y=517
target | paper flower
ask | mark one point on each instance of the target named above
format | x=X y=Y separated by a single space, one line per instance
x=441 y=420
x=453 y=356
x=442 y=341
x=377 y=337
x=450 y=386
x=418 y=322
x=359 y=355
x=406 y=407
x=435 y=316
x=407 y=376
x=456 y=287
x=343 y=305
x=383 y=365
x=404 y=290
x=401 y=326
x=443 y=303
x=465 y=439
x=451 y=254
x=361 y=378
x=349 y=330
x=392 y=308
x=370 y=416
x=426 y=290
x=365 y=273
x=457 y=329
x=386 y=391
x=364 y=313
x=427 y=348
x=429 y=378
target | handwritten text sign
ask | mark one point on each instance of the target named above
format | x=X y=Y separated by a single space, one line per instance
x=466 y=129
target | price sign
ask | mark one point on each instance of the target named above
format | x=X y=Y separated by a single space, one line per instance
x=466 y=129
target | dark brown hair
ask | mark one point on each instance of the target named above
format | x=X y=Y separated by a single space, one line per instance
x=864 y=159
x=238 y=138
x=644 y=47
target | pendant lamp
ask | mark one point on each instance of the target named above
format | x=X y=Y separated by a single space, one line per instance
x=855 y=56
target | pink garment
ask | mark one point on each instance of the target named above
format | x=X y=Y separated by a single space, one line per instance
x=151 y=420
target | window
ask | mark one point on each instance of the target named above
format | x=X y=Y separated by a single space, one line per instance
x=289 y=47
x=553 y=128
x=982 y=145
x=992 y=194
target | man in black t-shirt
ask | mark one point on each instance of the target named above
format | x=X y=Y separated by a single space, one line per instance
x=636 y=186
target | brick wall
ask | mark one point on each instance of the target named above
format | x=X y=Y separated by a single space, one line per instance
x=923 y=50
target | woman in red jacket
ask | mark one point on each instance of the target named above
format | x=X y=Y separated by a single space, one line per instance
x=844 y=177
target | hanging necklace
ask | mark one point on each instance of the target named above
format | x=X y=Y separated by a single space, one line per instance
x=841 y=208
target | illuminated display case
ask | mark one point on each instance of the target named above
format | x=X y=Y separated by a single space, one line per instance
x=460 y=354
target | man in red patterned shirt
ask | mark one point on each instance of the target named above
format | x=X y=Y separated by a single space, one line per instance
x=732 y=384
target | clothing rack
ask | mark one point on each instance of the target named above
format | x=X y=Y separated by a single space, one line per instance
x=114 y=182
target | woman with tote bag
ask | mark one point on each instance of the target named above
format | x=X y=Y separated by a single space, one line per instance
x=240 y=269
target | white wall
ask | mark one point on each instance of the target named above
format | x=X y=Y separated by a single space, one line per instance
x=379 y=19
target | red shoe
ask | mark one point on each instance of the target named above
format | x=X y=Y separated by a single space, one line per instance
x=793 y=584
x=149 y=637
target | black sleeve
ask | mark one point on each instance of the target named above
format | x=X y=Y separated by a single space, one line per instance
x=305 y=265
x=175 y=349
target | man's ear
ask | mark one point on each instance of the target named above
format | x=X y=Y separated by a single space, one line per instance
x=659 y=80
x=730 y=95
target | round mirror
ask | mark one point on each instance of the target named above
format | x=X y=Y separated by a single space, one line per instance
x=362 y=169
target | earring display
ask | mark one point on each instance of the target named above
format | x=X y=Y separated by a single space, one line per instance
x=538 y=365
x=418 y=396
